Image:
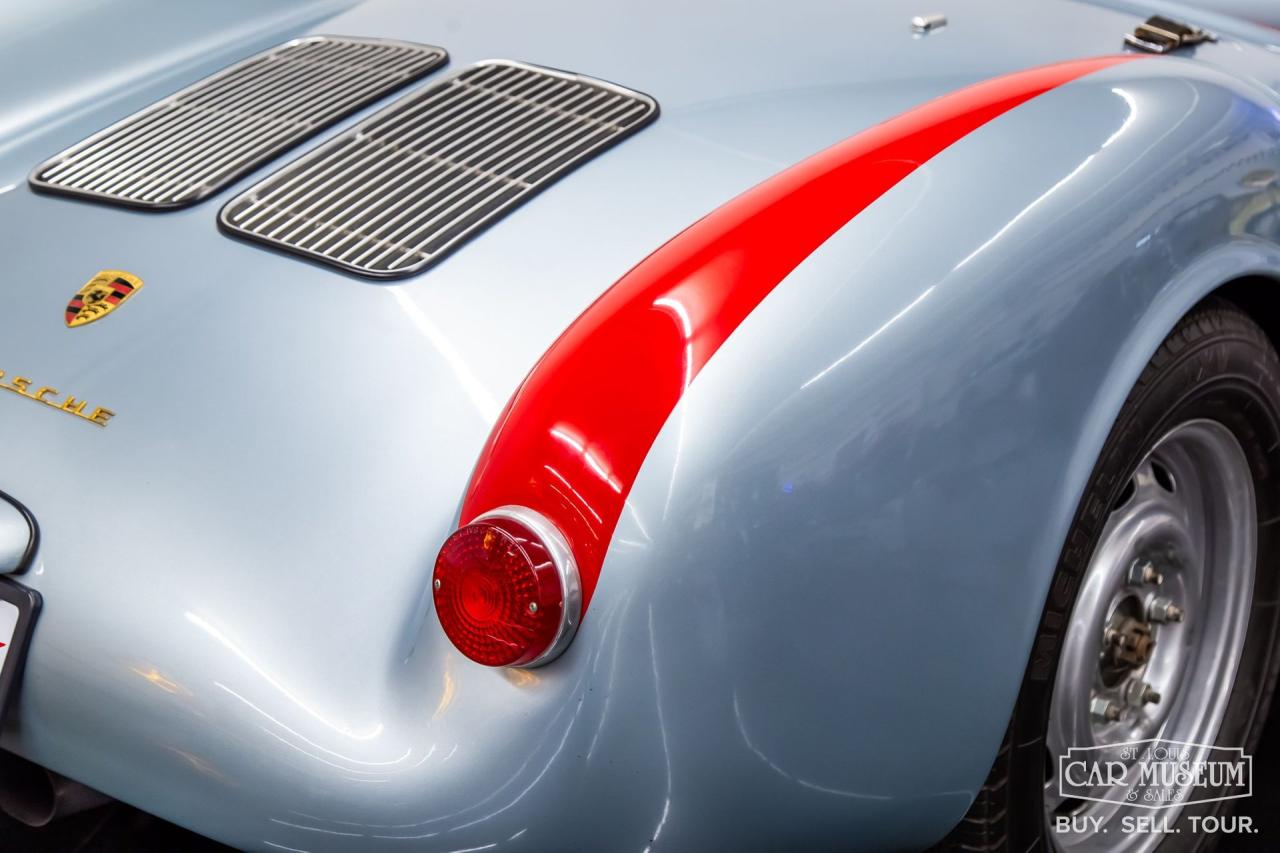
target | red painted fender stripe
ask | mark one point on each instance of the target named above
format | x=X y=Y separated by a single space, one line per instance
x=570 y=442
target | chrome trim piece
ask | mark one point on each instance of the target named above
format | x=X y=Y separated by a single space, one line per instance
x=408 y=185
x=562 y=558
x=195 y=142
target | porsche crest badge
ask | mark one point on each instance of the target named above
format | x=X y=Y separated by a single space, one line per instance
x=104 y=293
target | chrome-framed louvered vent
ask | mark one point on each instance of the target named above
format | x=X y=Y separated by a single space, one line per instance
x=193 y=143
x=406 y=186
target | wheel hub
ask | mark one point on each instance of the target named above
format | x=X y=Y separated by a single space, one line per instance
x=1129 y=644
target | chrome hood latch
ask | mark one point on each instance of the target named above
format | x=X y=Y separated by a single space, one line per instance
x=1161 y=35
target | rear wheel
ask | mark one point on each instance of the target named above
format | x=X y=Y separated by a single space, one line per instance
x=1161 y=620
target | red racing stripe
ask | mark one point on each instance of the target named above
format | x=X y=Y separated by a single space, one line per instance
x=570 y=442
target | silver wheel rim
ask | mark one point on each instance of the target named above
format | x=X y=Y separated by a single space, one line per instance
x=1183 y=535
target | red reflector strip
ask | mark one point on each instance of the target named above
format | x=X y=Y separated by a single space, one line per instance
x=574 y=436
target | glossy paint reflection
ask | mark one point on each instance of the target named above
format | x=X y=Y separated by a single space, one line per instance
x=605 y=388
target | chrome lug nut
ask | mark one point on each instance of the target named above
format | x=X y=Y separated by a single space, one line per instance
x=1161 y=609
x=1145 y=572
x=1138 y=693
x=1104 y=710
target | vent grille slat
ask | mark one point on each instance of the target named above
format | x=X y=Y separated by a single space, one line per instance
x=195 y=142
x=406 y=186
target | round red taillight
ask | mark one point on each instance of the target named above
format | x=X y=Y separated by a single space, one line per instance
x=506 y=589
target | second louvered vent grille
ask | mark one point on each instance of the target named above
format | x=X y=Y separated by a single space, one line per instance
x=195 y=142
x=409 y=184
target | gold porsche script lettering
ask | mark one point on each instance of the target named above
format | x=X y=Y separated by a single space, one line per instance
x=49 y=396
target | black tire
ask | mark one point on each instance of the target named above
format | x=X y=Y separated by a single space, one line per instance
x=1215 y=364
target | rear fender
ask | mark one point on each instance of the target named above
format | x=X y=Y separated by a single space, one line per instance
x=833 y=562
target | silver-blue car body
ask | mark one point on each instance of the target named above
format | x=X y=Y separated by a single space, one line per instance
x=812 y=619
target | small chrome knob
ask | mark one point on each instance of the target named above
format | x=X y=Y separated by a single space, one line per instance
x=928 y=23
